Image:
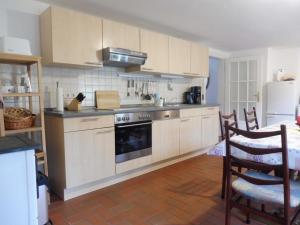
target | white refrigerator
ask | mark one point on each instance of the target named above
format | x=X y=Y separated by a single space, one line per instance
x=282 y=101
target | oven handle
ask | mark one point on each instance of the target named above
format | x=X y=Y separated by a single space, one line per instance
x=134 y=125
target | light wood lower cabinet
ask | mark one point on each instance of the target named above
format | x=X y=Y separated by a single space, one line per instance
x=210 y=130
x=165 y=139
x=190 y=134
x=90 y=156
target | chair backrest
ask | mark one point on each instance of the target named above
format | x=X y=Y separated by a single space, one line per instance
x=233 y=162
x=250 y=118
x=232 y=120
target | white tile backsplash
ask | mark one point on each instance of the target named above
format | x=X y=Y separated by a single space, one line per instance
x=88 y=81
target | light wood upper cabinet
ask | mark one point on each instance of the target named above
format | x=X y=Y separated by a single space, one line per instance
x=199 y=60
x=165 y=139
x=70 y=37
x=179 y=56
x=156 y=45
x=90 y=156
x=190 y=134
x=119 y=35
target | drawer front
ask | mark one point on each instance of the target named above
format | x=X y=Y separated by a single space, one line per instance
x=87 y=123
x=185 y=113
x=210 y=111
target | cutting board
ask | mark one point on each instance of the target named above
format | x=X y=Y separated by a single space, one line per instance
x=107 y=99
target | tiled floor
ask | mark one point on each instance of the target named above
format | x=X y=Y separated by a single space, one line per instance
x=187 y=193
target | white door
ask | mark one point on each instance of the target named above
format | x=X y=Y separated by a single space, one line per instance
x=244 y=87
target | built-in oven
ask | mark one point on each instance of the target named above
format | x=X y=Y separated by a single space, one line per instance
x=133 y=135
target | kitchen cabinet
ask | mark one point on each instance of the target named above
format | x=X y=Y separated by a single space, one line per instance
x=156 y=45
x=210 y=130
x=90 y=156
x=165 y=139
x=120 y=35
x=70 y=37
x=190 y=134
x=179 y=56
x=187 y=58
x=199 y=60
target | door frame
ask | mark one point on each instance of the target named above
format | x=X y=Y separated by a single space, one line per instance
x=260 y=71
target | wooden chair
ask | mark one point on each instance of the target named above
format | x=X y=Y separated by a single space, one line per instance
x=232 y=119
x=254 y=185
x=251 y=117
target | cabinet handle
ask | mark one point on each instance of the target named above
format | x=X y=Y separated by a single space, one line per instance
x=205 y=117
x=185 y=120
x=89 y=120
x=94 y=63
x=210 y=108
x=144 y=68
x=187 y=73
x=105 y=131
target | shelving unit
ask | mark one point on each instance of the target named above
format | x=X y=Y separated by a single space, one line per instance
x=28 y=61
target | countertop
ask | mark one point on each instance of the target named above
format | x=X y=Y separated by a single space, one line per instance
x=16 y=143
x=92 y=111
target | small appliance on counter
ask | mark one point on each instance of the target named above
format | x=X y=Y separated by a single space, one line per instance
x=188 y=97
x=193 y=96
x=75 y=104
x=196 y=90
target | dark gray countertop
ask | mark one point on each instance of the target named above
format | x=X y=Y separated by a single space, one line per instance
x=91 y=111
x=16 y=143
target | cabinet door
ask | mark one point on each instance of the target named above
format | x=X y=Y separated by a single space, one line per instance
x=76 y=38
x=165 y=139
x=210 y=130
x=190 y=134
x=199 y=60
x=179 y=56
x=156 y=45
x=119 y=35
x=90 y=156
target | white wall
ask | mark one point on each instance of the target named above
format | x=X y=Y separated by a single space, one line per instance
x=285 y=58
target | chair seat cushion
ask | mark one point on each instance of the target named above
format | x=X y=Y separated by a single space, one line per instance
x=266 y=193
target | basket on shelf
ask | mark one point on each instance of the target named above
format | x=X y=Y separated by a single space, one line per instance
x=18 y=118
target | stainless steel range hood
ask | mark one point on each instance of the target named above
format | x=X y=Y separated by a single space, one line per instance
x=122 y=57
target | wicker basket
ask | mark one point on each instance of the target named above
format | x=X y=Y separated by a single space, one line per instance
x=18 y=118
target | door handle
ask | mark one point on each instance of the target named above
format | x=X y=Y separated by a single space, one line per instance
x=144 y=68
x=89 y=120
x=257 y=96
x=184 y=120
x=94 y=63
x=104 y=131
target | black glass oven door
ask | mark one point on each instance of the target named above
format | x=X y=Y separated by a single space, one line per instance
x=133 y=140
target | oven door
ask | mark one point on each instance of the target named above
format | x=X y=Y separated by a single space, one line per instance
x=133 y=140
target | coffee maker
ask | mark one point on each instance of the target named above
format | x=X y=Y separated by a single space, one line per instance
x=196 y=90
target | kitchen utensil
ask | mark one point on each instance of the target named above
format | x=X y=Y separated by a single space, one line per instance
x=128 y=87
x=80 y=97
x=2 y=127
x=107 y=99
x=75 y=104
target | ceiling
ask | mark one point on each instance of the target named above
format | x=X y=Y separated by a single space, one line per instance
x=228 y=25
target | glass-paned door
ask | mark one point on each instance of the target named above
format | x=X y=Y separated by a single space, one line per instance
x=244 y=86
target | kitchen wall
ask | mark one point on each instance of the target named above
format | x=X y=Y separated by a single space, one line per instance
x=26 y=25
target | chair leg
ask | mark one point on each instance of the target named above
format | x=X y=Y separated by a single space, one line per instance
x=248 y=214
x=224 y=178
